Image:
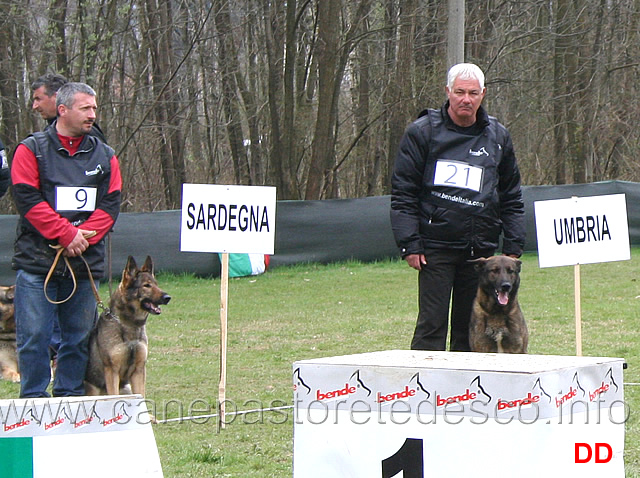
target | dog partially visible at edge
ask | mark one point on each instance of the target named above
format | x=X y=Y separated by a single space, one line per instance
x=118 y=345
x=8 y=349
x=497 y=323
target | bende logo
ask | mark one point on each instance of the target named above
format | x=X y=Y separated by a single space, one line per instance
x=475 y=391
x=353 y=385
x=17 y=426
x=55 y=424
x=529 y=400
x=406 y=393
x=298 y=382
x=575 y=390
x=608 y=383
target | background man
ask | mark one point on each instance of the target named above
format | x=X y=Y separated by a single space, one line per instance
x=44 y=100
x=66 y=187
x=455 y=189
x=5 y=177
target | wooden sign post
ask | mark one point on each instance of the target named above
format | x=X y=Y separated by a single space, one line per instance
x=578 y=308
x=578 y=231
x=227 y=220
x=224 y=299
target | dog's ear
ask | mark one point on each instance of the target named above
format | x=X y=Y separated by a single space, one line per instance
x=479 y=263
x=148 y=265
x=518 y=265
x=130 y=270
x=11 y=292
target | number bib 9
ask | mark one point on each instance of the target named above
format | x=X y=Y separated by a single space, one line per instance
x=69 y=198
x=458 y=174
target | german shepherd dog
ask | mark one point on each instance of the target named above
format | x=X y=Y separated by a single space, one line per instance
x=118 y=344
x=497 y=323
x=8 y=348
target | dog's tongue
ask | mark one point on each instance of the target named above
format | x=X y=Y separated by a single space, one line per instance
x=503 y=298
x=151 y=307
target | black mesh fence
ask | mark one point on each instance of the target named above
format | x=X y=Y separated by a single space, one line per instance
x=306 y=231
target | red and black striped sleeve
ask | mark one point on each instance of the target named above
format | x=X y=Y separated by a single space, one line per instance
x=107 y=211
x=25 y=177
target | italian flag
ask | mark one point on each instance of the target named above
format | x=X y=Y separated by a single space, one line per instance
x=77 y=437
x=81 y=455
x=16 y=455
x=241 y=265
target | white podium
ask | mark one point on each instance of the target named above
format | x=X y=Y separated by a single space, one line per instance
x=77 y=437
x=418 y=414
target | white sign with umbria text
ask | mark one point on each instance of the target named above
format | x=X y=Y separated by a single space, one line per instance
x=582 y=230
x=228 y=219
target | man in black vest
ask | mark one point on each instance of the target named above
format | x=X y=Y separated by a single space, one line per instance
x=67 y=190
x=44 y=91
x=455 y=190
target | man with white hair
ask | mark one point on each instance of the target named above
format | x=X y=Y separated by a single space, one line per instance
x=455 y=190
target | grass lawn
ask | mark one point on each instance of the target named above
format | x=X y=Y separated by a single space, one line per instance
x=310 y=311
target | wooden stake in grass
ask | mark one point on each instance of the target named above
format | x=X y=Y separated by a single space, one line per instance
x=576 y=294
x=224 y=296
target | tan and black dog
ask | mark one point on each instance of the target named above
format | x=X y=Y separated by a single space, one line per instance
x=118 y=345
x=497 y=323
x=8 y=350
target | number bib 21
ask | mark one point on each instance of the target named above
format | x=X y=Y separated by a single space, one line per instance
x=458 y=174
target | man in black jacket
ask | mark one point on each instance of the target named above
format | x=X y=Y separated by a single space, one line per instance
x=5 y=177
x=455 y=190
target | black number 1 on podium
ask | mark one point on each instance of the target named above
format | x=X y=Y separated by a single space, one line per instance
x=409 y=459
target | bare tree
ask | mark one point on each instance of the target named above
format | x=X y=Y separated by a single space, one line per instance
x=168 y=105
x=229 y=69
x=312 y=96
x=400 y=87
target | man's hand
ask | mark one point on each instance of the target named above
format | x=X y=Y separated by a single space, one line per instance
x=79 y=243
x=416 y=261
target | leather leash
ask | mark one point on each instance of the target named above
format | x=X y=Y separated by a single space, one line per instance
x=59 y=252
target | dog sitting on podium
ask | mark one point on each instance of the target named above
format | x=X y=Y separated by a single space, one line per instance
x=497 y=323
x=118 y=345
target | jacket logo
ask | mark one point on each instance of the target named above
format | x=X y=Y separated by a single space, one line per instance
x=98 y=170
x=479 y=152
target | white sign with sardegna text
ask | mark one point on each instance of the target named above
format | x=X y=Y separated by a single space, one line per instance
x=582 y=230
x=418 y=414
x=228 y=219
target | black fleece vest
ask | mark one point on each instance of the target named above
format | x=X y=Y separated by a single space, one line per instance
x=89 y=167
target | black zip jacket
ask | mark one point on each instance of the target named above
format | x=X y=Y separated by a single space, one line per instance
x=5 y=177
x=456 y=187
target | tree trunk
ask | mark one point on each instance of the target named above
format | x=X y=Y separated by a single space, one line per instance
x=166 y=106
x=561 y=45
x=323 y=147
x=229 y=68
x=274 y=43
x=56 y=35
x=400 y=87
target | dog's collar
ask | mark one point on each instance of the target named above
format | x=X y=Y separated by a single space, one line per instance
x=106 y=311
